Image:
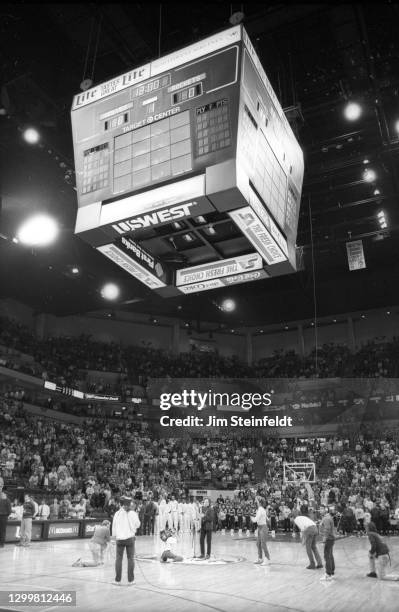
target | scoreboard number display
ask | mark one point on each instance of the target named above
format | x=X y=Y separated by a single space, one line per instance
x=195 y=140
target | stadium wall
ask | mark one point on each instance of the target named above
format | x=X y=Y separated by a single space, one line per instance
x=169 y=334
x=18 y=311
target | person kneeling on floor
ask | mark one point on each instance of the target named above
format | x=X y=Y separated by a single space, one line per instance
x=378 y=555
x=169 y=537
x=98 y=545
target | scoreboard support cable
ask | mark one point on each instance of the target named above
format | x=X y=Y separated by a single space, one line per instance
x=190 y=153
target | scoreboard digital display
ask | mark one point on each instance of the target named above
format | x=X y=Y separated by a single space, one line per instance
x=193 y=134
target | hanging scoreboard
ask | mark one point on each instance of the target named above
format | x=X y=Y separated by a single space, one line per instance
x=198 y=133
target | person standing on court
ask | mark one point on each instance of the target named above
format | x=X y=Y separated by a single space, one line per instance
x=124 y=527
x=29 y=512
x=309 y=534
x=327 y=532
x=261 y=520
x=207 y=518
x=5 y=511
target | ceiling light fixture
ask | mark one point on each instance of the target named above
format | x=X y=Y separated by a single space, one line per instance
x=110 y=291
x=31 y=135
x=39 y=230
x=228 y=305
x=369 y=175
x=352 y=111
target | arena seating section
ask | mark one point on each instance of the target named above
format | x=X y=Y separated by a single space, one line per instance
x=100 y=459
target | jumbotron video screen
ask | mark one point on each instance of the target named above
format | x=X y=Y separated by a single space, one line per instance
x=189 y=175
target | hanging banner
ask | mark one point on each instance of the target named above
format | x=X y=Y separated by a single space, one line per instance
x=356 y=260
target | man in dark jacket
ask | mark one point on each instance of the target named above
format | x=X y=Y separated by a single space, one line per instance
x=327 y=532
x=378 y=555
x=5 y=511
x=150 y=511
x=207 y=520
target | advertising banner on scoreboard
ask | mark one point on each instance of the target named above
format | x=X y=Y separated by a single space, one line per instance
x=205 y=286
x=258 y=235
x=168 y=62
x=244 y=277
x=127 y=263
x=155 y=215
x=144 y=259
x=218 y=269
x=267 y=221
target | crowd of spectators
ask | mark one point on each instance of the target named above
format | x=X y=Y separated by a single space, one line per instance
x=67 y=360
x=85 y=468
x=65 y=457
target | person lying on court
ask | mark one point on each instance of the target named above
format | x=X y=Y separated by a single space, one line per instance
x=378 y=555
x=169 y=537
x=98 y=545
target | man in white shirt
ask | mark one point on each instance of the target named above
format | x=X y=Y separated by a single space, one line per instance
x=174 y=513
x=261 y=520
x=124 y=526
x=44 y=511
x=163 y=510
x=180 y=516
x=186 y=518
x=309 y=534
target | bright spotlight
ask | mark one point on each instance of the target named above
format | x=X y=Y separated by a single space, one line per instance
x=110 y=291
x=31 y=135
x=369 y=175
x=38 y=231
x=352 y=111
x=397 y=126
x=75 y=270
x=228 y=305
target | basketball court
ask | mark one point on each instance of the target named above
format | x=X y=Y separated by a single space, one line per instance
x=229 y=582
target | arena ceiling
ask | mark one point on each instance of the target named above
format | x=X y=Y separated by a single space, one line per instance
x=317 y=56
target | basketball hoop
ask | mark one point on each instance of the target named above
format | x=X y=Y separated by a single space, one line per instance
x=299 y=473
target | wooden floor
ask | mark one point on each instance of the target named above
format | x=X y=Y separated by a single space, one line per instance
x=233 y=587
